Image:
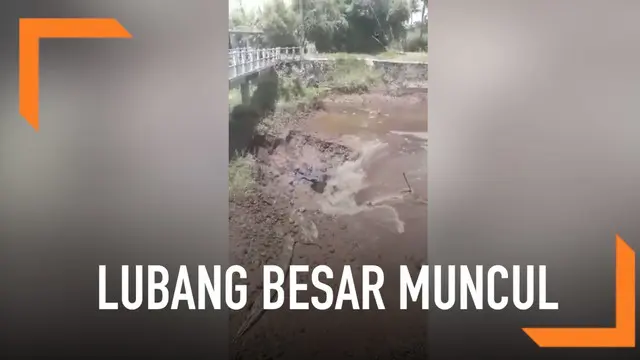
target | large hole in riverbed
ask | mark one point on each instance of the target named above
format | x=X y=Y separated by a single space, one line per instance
x=299 y=159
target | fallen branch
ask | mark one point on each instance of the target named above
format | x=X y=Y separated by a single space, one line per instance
x=257 y=308
x=407 y=181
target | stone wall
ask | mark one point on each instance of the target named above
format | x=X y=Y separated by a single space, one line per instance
x=403 y=74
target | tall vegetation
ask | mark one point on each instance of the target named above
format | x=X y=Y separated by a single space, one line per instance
x=359 y=26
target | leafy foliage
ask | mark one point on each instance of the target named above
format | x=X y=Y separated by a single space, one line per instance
x=363 y=26
x=279 y=23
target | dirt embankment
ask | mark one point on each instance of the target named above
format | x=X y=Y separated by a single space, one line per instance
x=330 y=185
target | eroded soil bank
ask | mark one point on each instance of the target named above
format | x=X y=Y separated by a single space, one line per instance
x=345 y=185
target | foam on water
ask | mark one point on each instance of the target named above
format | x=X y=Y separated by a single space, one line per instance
x=417 y=134
x=350 y=178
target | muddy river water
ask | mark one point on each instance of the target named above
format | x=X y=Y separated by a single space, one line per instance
x=392 y=145
x=385 y=181
x=355 y=178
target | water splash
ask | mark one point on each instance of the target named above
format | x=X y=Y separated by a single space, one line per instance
x=416 y=134
x=350 y=178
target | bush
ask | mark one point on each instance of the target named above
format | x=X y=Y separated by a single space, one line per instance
x=417 y=43
x=241 y=175
x=352 y=76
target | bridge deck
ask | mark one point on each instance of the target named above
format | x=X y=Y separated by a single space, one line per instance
x=246 y=62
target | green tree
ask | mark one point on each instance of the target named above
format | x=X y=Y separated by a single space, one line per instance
x=376 y=24
x=280 y=23
x=325 y=23
x=336 y=25
x=241 y=19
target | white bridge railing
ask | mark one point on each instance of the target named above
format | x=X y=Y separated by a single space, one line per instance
x=244 y=61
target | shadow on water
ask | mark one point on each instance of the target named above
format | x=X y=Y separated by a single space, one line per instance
x=244 y=118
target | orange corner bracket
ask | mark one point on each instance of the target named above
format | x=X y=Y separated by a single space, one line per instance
x=624 y=332
x=31 y=30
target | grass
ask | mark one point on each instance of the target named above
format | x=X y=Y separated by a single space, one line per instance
x=387 y=55
x=294 y=95
x=235 y=97
x=347 y=75
x=415 y=56
x=309 y=99
x=241 y=179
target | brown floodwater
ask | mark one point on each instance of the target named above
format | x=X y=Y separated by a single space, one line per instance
x=390 y=136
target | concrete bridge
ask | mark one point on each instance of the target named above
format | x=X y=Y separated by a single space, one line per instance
x=246 y=64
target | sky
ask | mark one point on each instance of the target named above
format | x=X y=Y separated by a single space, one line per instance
x=247 y=4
